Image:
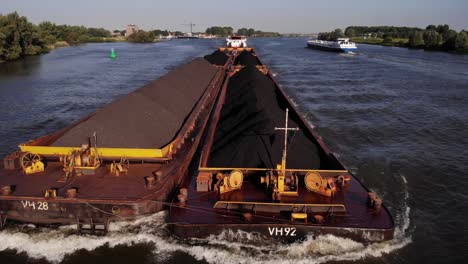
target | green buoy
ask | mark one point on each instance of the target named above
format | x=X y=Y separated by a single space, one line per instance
x=113 y=54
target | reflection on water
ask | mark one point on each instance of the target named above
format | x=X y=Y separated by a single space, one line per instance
x=16 y=69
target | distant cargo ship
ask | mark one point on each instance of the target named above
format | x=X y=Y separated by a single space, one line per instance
x=340 y=45
x=236 y=41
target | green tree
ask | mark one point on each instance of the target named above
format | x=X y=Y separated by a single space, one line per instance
x=18 y=37
x=229 y=30
x=13 y=46
x=98 y=32
x=158 y=32
x=388 y=39
x=443 y=29
x=432 y=38
x=220 y=31
x=243 y=31
x=72 y=37
x=141 y=37
x=457 y=42
x=49 y=27
x=461 y=42
x=2 y=45
x=395 y=32
x=449 y=34
x=337 y=33
x=416 y=39
x=350 y=32
x=324 y=36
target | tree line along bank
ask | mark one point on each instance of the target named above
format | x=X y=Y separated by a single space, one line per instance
x=433 y=37
x=20 y=38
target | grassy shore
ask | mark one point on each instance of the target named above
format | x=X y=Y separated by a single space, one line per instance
x=60 y=44
x=398 y=42
x=401 y=42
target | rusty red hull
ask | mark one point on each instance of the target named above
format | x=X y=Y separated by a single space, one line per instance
x=284 y=232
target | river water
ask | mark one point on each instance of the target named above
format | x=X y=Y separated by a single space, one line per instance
x=395 y=117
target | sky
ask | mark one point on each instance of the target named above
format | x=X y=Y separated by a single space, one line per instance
x=284 y=16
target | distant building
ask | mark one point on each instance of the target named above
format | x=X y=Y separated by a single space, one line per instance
x=166 y=37
x=367 y=35
x=131 y=29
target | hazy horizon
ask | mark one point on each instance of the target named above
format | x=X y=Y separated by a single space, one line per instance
x=296 y=16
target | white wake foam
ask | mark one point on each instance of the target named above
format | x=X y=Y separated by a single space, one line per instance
x=229 y=247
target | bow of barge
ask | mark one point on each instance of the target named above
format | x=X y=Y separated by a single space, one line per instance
x=264 y=170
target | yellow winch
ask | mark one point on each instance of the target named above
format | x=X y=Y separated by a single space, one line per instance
x=31 y=163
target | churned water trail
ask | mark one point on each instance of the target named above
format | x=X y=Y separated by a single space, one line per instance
x=55 y=245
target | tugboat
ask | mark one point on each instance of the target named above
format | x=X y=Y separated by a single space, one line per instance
x=236 y=42
x=264 y=170
x=340 y=45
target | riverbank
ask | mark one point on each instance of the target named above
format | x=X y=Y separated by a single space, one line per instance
x=433 y=38
x=397 y=42
x=20 y=38
x=58 y=44
x=61 y=44
x=403 y=43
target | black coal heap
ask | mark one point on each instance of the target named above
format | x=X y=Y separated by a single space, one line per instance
x=247 y=59
x=149 y=117
x=218 y=58
x=246 y=136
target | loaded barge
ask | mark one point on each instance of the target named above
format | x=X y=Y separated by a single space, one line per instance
x=264 y=170
x=216 y=141
x=122 y=161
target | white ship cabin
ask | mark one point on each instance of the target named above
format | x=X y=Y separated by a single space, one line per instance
x=343 y=41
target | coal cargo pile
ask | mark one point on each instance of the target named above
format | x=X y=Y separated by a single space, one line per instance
x=246 y=136
x=246 y=58
x=218 y=58
x=149 y=117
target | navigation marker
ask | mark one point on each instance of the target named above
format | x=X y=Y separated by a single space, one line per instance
x=113 y=54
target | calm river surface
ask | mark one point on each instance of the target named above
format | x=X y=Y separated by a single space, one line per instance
x=397 y=118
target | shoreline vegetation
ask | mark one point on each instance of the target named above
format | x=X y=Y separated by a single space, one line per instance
x=248 y=32
x=20 y=38
x=433 y=38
